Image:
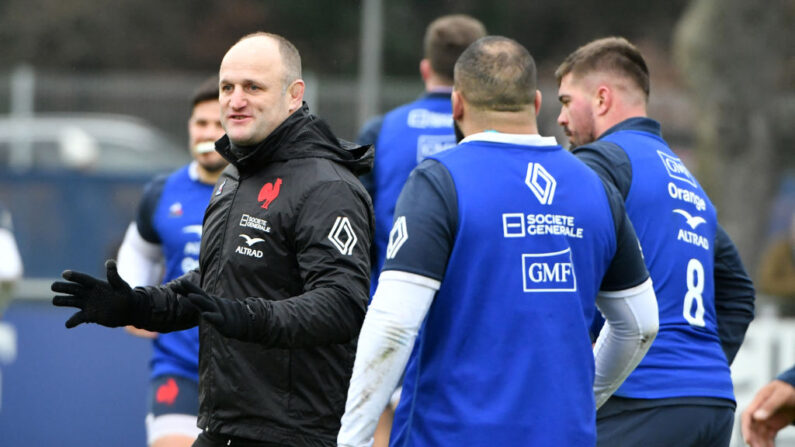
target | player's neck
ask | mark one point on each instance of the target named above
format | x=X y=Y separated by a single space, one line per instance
x=435 y=84
x=206 y=176
x=619 y=115
x=503 y=122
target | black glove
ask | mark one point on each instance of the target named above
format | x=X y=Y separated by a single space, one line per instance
x=232 y=318
x=112 y=303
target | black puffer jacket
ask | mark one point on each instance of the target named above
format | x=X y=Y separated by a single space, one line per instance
x=289 y=224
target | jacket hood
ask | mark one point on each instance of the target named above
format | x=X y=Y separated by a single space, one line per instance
x=301 y=135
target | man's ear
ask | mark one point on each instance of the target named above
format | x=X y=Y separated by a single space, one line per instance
x=537 y=101
x=603 y=100
x=458 y=105
x=295 y=93
x=425 y=69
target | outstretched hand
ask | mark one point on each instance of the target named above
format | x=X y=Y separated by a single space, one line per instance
x=229 y=316
x=111 y=303
x=772 y=409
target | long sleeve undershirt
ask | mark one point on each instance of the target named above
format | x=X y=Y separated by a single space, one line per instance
x=399 y=307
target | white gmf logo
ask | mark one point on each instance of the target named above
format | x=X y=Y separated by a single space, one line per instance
x=397 y=237
x=342 y=235
x=541 y=182
x=676 y=169
x=549 y=272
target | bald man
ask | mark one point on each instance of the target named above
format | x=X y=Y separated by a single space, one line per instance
x=283 y=278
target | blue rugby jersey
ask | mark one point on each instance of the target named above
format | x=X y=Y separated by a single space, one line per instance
x=170 y=215
x=676 y=223
x=520 y=237
x=407 y=135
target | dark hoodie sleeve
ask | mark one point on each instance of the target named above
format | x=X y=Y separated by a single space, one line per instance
x=333 y=233
x=168 y=310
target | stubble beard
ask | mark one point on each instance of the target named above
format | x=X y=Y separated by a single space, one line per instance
x=214 y=168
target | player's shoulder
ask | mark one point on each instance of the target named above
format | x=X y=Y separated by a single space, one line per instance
x=582 y=171
x=433 y=167
x=368 y=134
x=157 y=182
x=425 y=108
x=154 y=188
x=162 y=178
x=432 y=181
x=609 y=160
x=605 y=149
x=401 y=110
x=186 y=173
x=183 y=179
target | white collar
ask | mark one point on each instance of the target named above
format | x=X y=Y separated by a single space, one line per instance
x=193 y=171
x=441 y=89
x=523 y=139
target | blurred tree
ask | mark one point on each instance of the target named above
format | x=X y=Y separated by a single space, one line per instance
x=738 y=59
x=549 y=29
x=192 y=35
x=178 y=35
x=736 y=55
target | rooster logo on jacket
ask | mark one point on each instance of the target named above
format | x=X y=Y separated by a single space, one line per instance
x=269 y=192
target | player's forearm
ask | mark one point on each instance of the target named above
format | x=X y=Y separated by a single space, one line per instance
x=382 y=354
x=11 y=267
x=632 y=324
x=139 y=261
x=387 y=338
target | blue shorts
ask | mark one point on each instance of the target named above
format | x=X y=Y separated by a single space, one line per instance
x=173 y=395
x=684 y=425
x=173 y=406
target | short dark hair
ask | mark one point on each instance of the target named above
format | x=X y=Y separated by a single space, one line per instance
x=446 y=38
x=289 y=53
x=496 y=73
x=610 y=54
x=206 y=91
